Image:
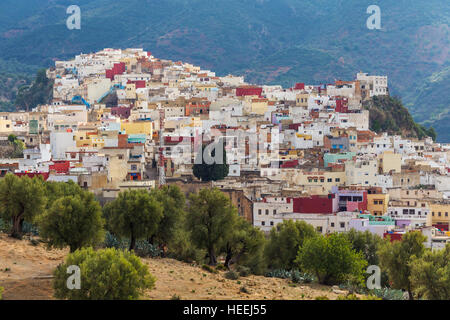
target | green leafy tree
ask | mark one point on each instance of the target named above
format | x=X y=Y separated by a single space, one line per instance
x=211 y=217
x=211 y=172
x=244 y=246
x=331 y=259
x=57 y=190
x=367 y=243
x=39 y=92
x=285 y=240
x=75 y=221
x=173 y=204
x=396 y=257
x=108 y=274
x=21 y=199
x=134 y=214
x=430 y=274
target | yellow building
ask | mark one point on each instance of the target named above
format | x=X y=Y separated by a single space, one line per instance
x=5 y=126
x=390 y=161
x=137 y=127
x=440 y=213
x=302 y=100
x=377 y=204
x=259 y=106
x=130 y=91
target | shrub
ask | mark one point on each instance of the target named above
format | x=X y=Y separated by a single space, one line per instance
x=388 y=294
x=232 y=275
x=1 y=293
x=209 y=269
x=175 y=297
x=322 y=298
x=244 y=290
x=221 y=267
x=107 y=274
x=243 y=271
x=295 y=275
x=348 y=297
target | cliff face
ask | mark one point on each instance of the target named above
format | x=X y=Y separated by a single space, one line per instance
x=388 y=114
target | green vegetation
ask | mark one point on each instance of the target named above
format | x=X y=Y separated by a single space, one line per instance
x=211 y=218
x=331 y=259
x=396 y=258
x=1 y=293
x=18 y=147
x=430 y=275
x=75 y=221
x=107 y=274
x=211 y=172
x=21 y=199
x=39 y=92
x=284 y=243
x=206 y=229
x=134 y=214
x=387 y=114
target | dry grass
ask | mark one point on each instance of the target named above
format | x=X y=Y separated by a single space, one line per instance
x=24 y=268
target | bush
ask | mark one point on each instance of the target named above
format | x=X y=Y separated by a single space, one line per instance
x=244 y=290
x=143 y=247
x=322 y=298
x=5 y=226
x=209 y=269
x=107 y=274
x=1 y=293
x=243 y=271
x=232 y=275
x=221 y=267
x=388 y=294
x=348 y=297
x=175 y=297
x=295 y=275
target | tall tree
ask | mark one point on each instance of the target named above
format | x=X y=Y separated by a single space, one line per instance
x=331 y=259
x=211 y=217
x=75 y=221
x=173 y=204
x=285 y=240
x=21 y=199
x=430 y=274
x=367 y=243
x=244 y=245
x=134 y=214
x=207 y=171
x=396 y=257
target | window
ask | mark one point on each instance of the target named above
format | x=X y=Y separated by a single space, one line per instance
x=263 y=223
x=330 y=180
x=259 y=211
x=332 y=224
x=274 y=211
x=267 y=212
x=439 y=214
x=342 y=224
x=271 y=223
x=446 y=214
x=337 y=179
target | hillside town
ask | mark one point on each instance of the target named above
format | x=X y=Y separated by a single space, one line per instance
x=124 y=119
